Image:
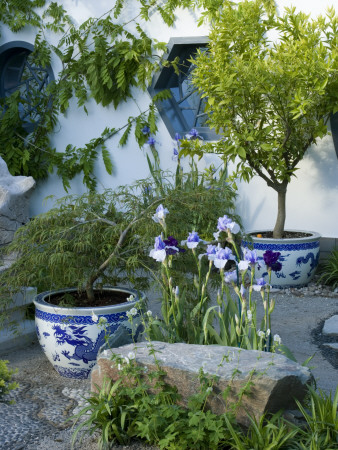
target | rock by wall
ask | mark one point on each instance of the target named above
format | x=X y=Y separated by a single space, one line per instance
x=14 y=202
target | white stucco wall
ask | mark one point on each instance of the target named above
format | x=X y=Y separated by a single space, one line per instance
x=312 y=201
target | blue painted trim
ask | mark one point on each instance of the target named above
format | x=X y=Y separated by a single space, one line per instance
x=72 y=373
x=282 y=247
x=80 y=320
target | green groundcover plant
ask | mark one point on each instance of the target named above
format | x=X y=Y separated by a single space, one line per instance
x=6 y=375
x=329 y=270
x=141 y=405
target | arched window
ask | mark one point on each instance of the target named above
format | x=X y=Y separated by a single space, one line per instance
x=19 y=72
x=185 y=109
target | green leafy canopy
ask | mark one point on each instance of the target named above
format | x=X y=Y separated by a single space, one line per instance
x=270 y=100
x=271 y=84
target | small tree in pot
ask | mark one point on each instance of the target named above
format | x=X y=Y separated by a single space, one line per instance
x=269 y=99
x=104 y=238
x=75 y=244
x=93 y=241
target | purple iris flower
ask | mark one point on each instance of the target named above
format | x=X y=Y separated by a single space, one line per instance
x=145 y=130
x=175 y=154
x=172 y=246
x=271 y=260
x=231 y=277
x=158 y=252
x=225 y=223
x=193 y=239
x=251 y=256
x=260 y=283
x=211 y=250
x=223 y=255
x=193 y=133
x=159 y=216
x=151 y=141
x=159 y=244
x=177 y=144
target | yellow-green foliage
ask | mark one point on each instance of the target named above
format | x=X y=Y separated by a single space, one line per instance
x=6 y=383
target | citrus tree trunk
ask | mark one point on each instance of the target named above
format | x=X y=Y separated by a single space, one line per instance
x=278 y=231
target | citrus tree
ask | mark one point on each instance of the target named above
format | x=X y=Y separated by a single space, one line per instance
x=271 y=84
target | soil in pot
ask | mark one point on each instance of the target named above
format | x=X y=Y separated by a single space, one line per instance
x=79 y=299
x=286 y=234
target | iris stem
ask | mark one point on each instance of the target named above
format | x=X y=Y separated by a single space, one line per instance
x=268 y=323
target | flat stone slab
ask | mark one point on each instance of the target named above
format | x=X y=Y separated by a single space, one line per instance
x=330 y=327
x=274 y=379
x=333 y=345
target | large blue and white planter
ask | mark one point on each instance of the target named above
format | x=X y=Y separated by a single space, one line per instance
x=299 y=258
x=71 y=338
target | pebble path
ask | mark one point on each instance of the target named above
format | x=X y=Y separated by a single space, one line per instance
x=36 y=411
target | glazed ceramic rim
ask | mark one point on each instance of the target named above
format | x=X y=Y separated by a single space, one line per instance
x=40 y=303
x=314 y=237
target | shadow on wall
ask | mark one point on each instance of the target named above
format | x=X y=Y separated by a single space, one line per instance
x=324 y=162
x=314 y=188
x=253 y=205
x=314 y=194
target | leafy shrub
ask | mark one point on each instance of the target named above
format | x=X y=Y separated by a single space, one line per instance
x=211 y=193
x=6 y=385
x=329 y=270
x=78 y=242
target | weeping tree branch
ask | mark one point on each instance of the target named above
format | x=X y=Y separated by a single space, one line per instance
x=123 y=235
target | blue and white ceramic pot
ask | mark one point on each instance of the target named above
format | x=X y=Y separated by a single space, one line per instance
x=72 y=337
x=299 y=257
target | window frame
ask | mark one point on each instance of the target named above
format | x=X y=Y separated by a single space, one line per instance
x=178 y=46
x=9 y=50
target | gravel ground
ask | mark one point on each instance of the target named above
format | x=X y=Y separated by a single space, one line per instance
x=45 y=400
x=298 y=318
